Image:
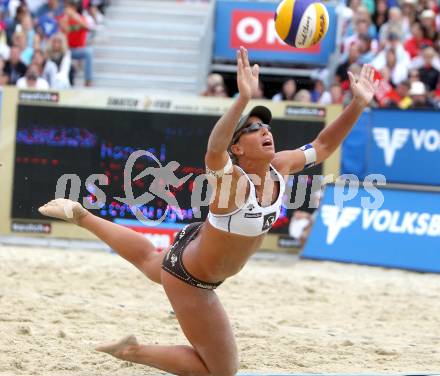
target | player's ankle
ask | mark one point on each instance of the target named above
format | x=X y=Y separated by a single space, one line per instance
x=80 y=219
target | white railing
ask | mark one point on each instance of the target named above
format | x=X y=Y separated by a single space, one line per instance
x=206 y=47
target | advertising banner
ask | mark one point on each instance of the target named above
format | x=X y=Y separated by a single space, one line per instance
x=251 y=24
x=403 y=232
x=161 y=236
x=404 y=146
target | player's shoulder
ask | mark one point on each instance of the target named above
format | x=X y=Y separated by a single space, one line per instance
x=281 y=167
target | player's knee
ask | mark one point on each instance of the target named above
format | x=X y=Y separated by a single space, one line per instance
x=151 y=266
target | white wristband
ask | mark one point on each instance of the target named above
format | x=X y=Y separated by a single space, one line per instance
x=220 y=173
x=310 y=154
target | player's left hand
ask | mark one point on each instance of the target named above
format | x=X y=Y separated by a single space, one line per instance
x=365 y=86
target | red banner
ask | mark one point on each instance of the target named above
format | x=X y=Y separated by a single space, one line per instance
x=162 y=238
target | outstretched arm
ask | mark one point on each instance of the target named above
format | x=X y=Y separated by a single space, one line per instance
x=331 y=137
x=216 y=155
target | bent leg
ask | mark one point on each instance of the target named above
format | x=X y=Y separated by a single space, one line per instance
x=178 y=360
x=205 y=324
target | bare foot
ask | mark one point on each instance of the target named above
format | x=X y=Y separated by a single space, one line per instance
x=62 y=208
x=119 y=349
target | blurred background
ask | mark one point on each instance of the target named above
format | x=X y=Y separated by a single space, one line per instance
x=189 y=47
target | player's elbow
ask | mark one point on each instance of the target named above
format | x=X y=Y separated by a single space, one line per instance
x=215 y=159
x=215 y=149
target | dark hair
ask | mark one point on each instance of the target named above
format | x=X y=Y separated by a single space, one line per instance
x=376 y=15
x=21 y=10
x=77 y=4
x=233 y=158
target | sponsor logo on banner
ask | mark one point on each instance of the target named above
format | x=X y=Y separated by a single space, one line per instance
x=305 y=111
x=161 y=104
x=191 y=106
x=186 y=107
x=256 y=30
x=336 y=219
x=390 y=141
x=39 y=96
x=392 y=221
x=287 y=242
x=124 y=102
x=31 y=228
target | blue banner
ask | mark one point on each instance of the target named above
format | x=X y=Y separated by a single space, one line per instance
x=354 y=148
x=404 y=232
x=251 y=24
x=404 y=146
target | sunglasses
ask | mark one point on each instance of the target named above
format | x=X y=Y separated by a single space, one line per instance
x=253 y=127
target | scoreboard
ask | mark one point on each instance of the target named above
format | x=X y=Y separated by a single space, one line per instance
x=48 y=136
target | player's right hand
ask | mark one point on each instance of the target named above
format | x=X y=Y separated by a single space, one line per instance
x=247 y=77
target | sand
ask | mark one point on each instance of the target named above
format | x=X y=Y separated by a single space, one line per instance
x=57 y=305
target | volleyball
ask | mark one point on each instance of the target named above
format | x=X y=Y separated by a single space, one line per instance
x=301 y=23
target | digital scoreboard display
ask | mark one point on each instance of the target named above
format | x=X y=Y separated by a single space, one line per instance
x=54 y=141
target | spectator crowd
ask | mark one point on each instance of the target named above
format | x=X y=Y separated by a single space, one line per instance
x=399 y=38
x=44 y=43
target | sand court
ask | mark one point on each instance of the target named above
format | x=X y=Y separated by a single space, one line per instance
x=288 y=316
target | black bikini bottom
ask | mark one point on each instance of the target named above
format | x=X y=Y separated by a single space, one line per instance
x=173 y=263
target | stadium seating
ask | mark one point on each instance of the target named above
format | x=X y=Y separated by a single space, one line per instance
x=154 y=45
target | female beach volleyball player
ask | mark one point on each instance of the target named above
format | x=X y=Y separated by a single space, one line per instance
x=204 y=254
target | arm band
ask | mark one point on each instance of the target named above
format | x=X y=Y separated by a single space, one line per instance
x=220 y=173
x=310 y=154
